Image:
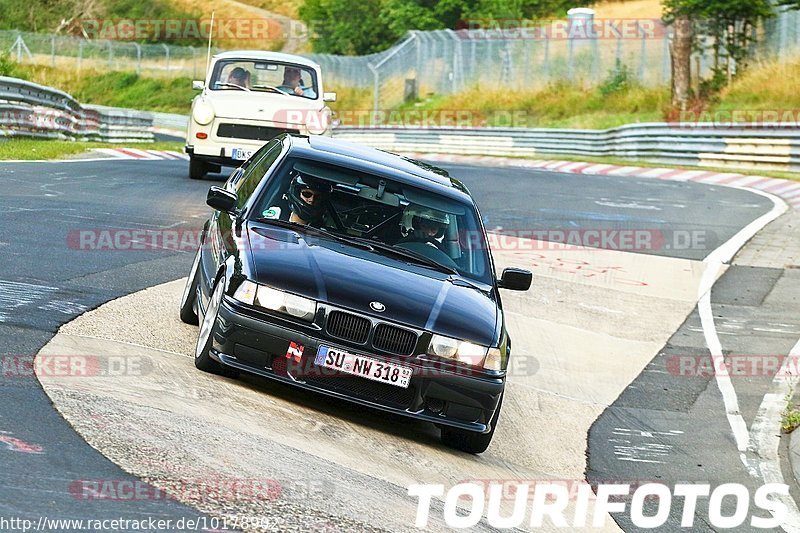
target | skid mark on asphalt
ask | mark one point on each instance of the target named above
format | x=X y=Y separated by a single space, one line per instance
x=14 y=294
x=652 y=451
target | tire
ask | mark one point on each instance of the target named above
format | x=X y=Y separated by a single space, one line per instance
x=470 y=441
x=188 y=312
x=197 y=169
x=202 y=357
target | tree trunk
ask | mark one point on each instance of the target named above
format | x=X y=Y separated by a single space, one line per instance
x=681 y=53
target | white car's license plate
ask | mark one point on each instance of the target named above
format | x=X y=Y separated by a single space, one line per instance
x=241 y=154
x=365 y=367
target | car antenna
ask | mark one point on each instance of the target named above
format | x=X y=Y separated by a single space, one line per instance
x=208 y=54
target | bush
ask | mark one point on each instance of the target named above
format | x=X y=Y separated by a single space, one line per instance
x=618 y=80
x=8 y=67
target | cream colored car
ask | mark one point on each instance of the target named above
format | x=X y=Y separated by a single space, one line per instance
x=248 y=98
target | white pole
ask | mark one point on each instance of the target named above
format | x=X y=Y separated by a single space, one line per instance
x=208 y=55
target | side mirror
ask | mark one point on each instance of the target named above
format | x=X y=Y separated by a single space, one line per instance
x=515 y=279
x=222 y=200
x=328 y=97
x=198 y=85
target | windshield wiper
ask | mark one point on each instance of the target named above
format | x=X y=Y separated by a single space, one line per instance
x=223 y=84
x=460 y=281
x=408 y=254
x=310 y=230
x=271 y=88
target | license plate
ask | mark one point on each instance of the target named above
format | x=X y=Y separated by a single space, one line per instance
x=365 y=367
x=241 y=154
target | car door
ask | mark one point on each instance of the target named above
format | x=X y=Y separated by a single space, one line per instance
x=222 y=236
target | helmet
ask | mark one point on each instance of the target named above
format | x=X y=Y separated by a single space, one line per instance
x=422 y=221
x=308 y=212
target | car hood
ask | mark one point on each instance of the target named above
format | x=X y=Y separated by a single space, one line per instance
x=352 y=278
x=262 y=106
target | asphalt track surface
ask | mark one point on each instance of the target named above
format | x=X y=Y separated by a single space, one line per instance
x=45 y=281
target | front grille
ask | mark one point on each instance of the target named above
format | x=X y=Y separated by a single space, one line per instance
x=279 y=365
x=247 y=131
x=394 y=340
x=365 y=389
x=348 y=327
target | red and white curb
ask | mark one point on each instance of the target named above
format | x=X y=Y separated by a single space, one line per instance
x=135 y=153
x=788 y=190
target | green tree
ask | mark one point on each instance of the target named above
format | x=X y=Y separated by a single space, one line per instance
x=725 y=27
x=343 y=27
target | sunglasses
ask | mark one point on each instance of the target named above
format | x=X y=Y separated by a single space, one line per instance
x=308 y=194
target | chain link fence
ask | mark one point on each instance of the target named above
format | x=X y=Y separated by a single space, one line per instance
x=446 y=62
x=578 y=51
x=75 y=53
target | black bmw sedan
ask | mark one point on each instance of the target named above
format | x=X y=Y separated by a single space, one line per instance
x=358 y=274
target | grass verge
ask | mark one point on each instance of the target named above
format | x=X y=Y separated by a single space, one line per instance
x=790 y=417
x=37 y=149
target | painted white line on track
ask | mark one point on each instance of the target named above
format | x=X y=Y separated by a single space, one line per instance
x=768 y=468
x=765 y=435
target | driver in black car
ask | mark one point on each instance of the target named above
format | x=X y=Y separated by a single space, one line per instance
x=307 y=197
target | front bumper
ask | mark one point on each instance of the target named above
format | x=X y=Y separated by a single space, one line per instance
x=260 y=346
x=216 y=154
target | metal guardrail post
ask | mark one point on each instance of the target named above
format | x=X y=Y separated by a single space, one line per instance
x=665 y=59
x=138 y=58
x=456 y=59
x=642 y=53
x=376 y=92
x=166 y=50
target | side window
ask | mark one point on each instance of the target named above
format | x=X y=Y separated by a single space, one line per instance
x=254 y=173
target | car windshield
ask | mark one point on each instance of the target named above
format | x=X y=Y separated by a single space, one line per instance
x=264 y=76
x=400 y=220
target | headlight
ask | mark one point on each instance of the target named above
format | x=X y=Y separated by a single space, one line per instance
x=203 y=113
x=462 y=351
x=276 y=300
x=494 y=360
x=246 y=293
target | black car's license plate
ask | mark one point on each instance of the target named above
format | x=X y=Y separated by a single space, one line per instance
x=365 y=367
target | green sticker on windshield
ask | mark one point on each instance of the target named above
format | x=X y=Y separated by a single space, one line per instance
x=272 y=212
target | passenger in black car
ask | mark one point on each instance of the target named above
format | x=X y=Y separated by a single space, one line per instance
x=425 y=225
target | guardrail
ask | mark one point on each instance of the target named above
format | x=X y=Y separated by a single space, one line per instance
x=32 y=110
x=756 y=146
x=698 y=144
